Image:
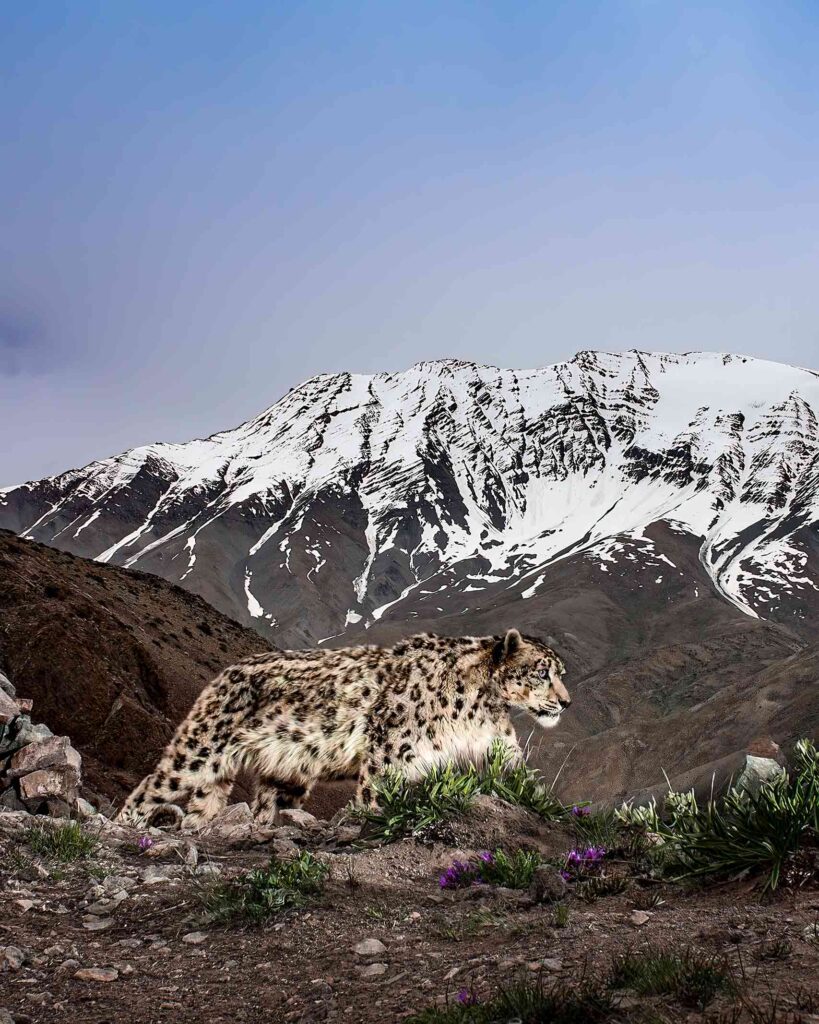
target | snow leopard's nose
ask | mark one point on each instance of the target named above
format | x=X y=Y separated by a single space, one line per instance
x=564 y=702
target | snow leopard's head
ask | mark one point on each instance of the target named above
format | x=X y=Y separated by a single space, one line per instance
x=531 y=674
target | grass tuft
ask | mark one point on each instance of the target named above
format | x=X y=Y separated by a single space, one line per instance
x=257 y=895
x=538 y=1003
x=64 y=843
x=443 y=792
x=693 y=979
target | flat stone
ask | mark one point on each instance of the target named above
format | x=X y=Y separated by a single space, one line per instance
x=103 y=974
x=194 y=938
x=50 y=782
x=552 y=963
x=373 y=970
x=639 y=918
x=155 y=874
x=97 y=924
x=369 y=947
x=68 y=966
x=24 y=905
x=118 y=883
x=299 y=818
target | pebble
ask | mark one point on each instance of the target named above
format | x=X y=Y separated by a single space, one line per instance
x=97 y=974
x=639 y=918
x=373 y=970
x=116 y=883
x=92 y=923
x=194 y=938
x=24 y=905
x=11 y=957
x=369 y=947
x=68 y=965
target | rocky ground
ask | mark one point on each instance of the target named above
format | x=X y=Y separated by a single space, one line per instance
x=120 y=934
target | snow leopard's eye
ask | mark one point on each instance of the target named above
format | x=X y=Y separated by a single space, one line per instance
x=544 y=673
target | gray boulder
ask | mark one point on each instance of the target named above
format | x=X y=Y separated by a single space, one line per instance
x=757 y=771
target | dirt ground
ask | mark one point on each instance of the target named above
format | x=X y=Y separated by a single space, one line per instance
x=303 y=966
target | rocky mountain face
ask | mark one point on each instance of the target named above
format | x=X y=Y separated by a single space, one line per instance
x=654 y=515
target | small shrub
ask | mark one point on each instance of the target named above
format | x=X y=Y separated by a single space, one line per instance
x=740 y=833
x=64 y=843
x=257 y=895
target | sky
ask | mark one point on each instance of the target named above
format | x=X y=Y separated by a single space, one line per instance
x=204 y=204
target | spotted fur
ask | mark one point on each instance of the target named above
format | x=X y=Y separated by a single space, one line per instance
x=295 y=717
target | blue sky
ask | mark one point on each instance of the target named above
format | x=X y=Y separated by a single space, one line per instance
x=206 y=203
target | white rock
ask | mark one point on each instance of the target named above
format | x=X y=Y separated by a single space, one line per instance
x=194 y=938
x=373 y=970
x=369 y=947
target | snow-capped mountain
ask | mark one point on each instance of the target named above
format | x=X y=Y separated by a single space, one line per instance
x=451 y=487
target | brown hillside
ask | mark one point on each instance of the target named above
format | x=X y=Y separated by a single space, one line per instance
x=111 y=657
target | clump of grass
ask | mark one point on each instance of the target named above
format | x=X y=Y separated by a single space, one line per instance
x=63 y=843
x=512 y=870
x=741 y=832
x=443 y=792
x=774 y=949
x=258 y=895
x=598 y=828
x=466 y=927
x=607 y=885
x=693 y=978
x=580 y=1003
x=561 y=915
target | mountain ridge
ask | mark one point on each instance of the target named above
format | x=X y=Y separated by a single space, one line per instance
x=355 y=497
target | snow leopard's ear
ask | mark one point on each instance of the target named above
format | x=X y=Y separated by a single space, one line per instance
x=506 y=647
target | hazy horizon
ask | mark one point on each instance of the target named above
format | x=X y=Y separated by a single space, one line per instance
x=208 y=204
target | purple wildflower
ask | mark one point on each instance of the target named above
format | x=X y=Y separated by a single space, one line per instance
x=467 y=998
x=580 y=812
x=145 y=843
x=458 y=874
x=486 y=857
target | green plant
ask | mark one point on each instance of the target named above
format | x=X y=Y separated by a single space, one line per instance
x=64 y=843
x=537 y=1003
x=512 y=870
x=257 y=895
x=561 y=915
x=693 y=978
x=605 y=885
x=741 y=832
x=599 y=828
x=446 y=791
